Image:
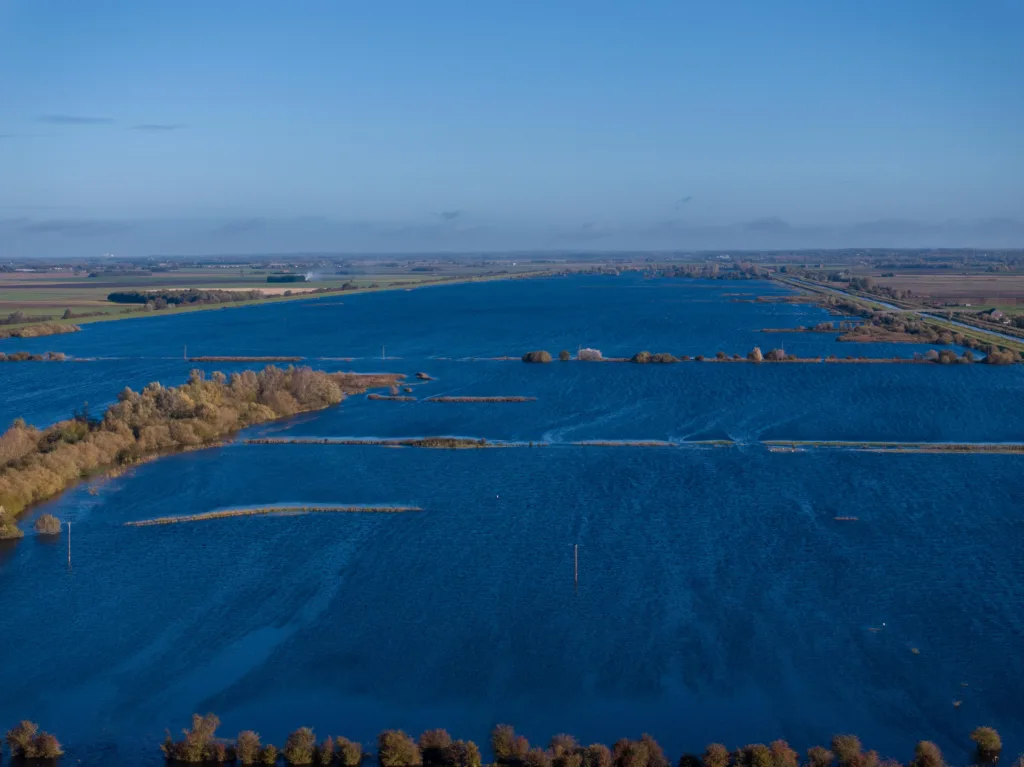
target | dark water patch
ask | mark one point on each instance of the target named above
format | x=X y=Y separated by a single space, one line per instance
x=719 y=599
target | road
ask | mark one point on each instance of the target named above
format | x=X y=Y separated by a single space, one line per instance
x=892 y=307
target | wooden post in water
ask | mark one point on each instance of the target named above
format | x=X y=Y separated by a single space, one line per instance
x=576 y=565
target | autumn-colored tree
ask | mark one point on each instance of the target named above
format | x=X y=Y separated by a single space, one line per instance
x=247 y=747
x=507 y=746
x=597 y=755
x=462 y=753
x=782 y=755
x=536 y=757
x=349 y=754
x=197 y=743
x=715 y=755
x=989 y=744
x=396 y=749
x=537 y=356
x=927 y=754
x=47 y=524
x=820 y=757
x=432 y=745
x=27 y=741
x=846 y=748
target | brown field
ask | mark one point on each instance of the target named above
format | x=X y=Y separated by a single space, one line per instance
x=977 y=289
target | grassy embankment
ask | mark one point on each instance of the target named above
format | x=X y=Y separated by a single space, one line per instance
x=36 y=465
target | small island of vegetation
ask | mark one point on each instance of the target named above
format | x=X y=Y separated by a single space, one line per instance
x=38 y=330
x=30 y=357
x=537 y=356
x=38 y=464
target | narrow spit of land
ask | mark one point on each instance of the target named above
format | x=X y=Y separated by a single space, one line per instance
x=1003 y=448
x=244 y=359
x=404 y=398
x=456 y=443
x=36 y=465
x=775 y=446
x=264 y=510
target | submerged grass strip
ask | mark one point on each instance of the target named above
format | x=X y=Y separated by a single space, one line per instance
x=896 y=447
x=480 y=399
x=269 y=510
x=470 y=442
x=244 y=359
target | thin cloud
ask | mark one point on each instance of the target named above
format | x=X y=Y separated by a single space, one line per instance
x=63 y=119
x=240 y=226
x=72 y=227
x=682 y=201
x=449 y=215
x=156 y=127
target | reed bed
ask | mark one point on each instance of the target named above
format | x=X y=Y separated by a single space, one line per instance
x=391 y=397
x=257 y=511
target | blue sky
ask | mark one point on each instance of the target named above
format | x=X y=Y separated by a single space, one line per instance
x=236 y=125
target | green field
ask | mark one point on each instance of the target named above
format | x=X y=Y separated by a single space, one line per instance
x=45 y=295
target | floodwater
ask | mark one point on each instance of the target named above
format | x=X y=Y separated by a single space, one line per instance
x=719 y=599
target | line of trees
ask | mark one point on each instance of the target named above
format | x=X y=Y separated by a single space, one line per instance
x=161 y=299
x=37 y=464
x=436 y=748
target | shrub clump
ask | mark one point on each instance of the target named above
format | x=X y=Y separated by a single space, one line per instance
x=755 y=355
x=507 y=746
x=349 y=754
x=396 y=749
x=299 y=747
x=988 y=742
x=564 y=355
x=27 y=741
x=198 y=743
x=47 y=524
x=433 y=744
x=247 y=747
x=537 y=356
x=9 y=530
x=589 y=355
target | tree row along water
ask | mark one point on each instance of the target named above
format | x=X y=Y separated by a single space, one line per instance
x=199 y=744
